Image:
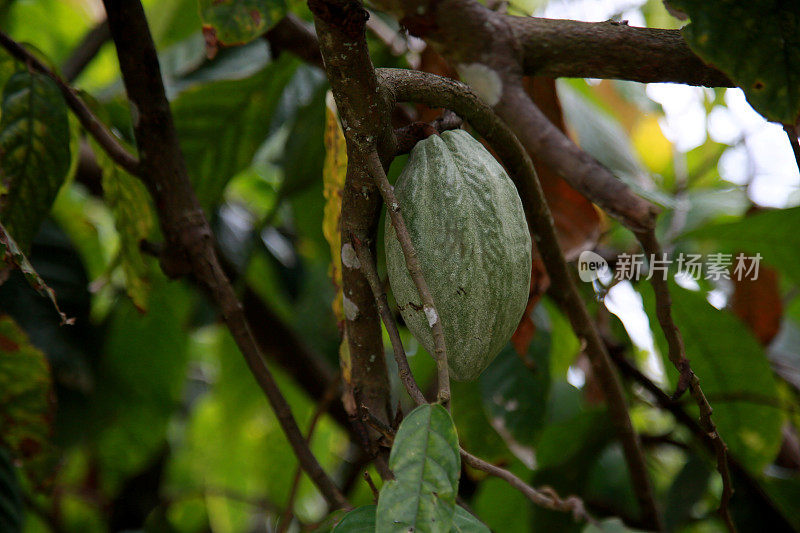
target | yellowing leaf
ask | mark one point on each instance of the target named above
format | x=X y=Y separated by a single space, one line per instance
x=654 y=149
x=135 y=220
x=333 y=174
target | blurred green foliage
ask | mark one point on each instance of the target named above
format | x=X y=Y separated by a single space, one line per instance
x=143 y=416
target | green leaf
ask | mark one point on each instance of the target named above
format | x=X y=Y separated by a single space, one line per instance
x=463 y=522
x=10 y=496
x=515 y=388
x=233 y=22
x=686 y=490
x=26 y=408
x=474 y=429
x=222 y=124
x=501 y=506
x=143 y=371
x=360 y=520
x=13 y=256
x=772 y=233
x=426 y=463
x=34 y=152
x=762 y=55
x=734 y=373
x=135 y=221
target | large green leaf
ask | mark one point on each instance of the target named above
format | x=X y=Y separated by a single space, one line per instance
x=515 y=388
x=773 y=234
x=142 y=375
x=10 y=496
x=734 y=373
x=474 y=429
x=26 y=408
x=222 y=124
x=232 y=22
x=501 y=506
x=686 y=490
x=762 y=53
x=34 y=152
x=426 y=463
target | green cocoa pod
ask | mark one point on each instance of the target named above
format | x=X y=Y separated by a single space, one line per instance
x=467 y=224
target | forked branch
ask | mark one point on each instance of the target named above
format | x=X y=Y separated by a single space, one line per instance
x=436 y=91
x=414 y=268
x=190 y=246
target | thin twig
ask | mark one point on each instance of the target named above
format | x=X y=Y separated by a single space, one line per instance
x=322 y=407
x=88 y=48
x=710 y=439
x=544 y=497
x=687 y=377
x=414 y=268
x=792 y=133
x=189 y=240
x=87 y=118
x=372 y=486
x=408 y=136
x=436 y=91
x=367 y=265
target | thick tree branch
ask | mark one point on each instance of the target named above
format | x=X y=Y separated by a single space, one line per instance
x=584 y=173
x=573 y=49
x=190 y=247
x=88 y=120
x=436 y=91
x=340 y=27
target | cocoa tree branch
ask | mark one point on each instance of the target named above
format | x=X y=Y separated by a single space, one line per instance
x=710 y=440
x=414 y=268
x=87 y=118
x=687 y=377
x=190 y=247
x=583 y=172
x=436 y=91
x=544 y=497
x=610 y=50
x=340 y=27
